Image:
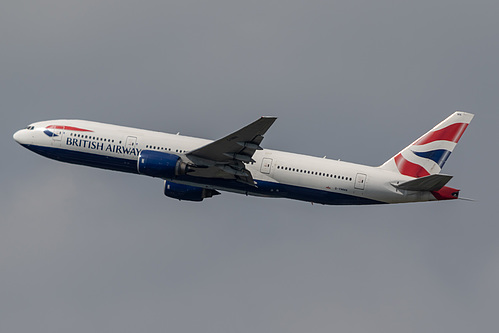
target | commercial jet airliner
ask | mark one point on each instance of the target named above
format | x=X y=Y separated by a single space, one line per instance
x=194 y=169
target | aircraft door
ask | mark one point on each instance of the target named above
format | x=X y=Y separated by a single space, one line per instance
x=57 y=133
x=360 y=181
x=266 y=165
x=130 y=143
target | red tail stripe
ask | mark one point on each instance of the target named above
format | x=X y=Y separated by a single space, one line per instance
x=69 y=128
x=410 y=169
x=446 y=193
x=450 y=133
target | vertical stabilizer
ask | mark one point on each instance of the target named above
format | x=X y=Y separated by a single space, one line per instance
x=428 y=154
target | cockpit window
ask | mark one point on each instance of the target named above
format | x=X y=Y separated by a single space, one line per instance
x=30 y=127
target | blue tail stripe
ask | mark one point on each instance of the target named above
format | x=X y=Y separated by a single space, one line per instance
x=438 y=156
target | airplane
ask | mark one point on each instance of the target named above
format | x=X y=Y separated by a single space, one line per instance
x=194 y=169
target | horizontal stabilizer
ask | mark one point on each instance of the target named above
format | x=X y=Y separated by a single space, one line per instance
x=429 y=183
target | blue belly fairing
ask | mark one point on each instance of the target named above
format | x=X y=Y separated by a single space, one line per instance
x=263 y=188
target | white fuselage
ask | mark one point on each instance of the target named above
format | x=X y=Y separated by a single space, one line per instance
x=276 y=173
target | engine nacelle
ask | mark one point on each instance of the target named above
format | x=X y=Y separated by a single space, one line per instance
x=162 y=165
x=187 y=192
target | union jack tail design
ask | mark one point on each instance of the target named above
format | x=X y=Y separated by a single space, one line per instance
x=428 y=154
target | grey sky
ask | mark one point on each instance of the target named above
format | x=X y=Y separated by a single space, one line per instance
x=84 y=249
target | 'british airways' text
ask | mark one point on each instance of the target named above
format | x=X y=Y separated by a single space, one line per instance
x=94 y=145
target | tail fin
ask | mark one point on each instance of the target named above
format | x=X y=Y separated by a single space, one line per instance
x=428 y=154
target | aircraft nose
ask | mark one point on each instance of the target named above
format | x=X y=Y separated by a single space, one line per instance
x=17 y=136
x=21 y=137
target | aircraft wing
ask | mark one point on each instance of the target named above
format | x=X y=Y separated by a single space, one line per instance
x=229 y=153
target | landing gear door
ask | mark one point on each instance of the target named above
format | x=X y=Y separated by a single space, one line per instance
x=266 y=165
x=360 y=181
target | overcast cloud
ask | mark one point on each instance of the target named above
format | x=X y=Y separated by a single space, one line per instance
x=84 y=249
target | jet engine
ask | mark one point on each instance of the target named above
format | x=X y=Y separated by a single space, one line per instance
x=162 y=165
x=187 y=192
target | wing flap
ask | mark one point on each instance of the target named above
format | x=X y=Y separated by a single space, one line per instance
x=225 y=158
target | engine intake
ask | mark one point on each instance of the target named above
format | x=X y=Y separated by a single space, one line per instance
x=187 y=192
x=162 y=165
